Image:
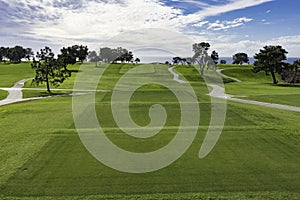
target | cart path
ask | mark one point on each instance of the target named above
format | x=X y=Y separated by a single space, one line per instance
x=15 y=93
x=219 y=72
x=219 y=92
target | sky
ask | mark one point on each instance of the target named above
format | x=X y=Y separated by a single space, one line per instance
x=152 y=27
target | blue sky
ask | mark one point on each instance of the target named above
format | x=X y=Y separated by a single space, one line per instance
x=230 y=26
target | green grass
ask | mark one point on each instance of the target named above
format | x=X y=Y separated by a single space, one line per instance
x=285 y=99
x=259 y=87
x=178 y=196
x=42 y=93
x=68 y=84
x=257 y=156
x=3 y=94
x=11 y=73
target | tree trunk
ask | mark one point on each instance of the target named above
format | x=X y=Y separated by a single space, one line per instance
x=48 y=85
x=275 y=81
x=201 y=70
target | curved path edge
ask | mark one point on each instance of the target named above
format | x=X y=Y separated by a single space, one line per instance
x=219 y=92
x=15 y=94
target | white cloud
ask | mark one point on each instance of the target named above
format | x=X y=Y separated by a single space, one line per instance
x=268 y=11
x=220 y=9
x=200 y=24
x=216 y=26
x=290 y=43
x=100 y=19
x=92 y=22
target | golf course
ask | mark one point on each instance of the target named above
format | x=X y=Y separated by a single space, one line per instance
x=256 y=156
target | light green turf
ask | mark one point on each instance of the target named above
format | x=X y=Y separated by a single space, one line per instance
x=256 y=157
x=11 y=73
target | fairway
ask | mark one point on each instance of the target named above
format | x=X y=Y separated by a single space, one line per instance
x=257 y=155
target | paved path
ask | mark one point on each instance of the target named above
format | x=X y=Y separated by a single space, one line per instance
x=219 y=72
x=219 y=92
x=15 y=93
x=176 y=76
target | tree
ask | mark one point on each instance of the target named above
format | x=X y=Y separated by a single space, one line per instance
x=128 y=56
x=122 y=54
x=4 y=53
x=73 y=54
x=16 y=54
x=81 y=52
x=114 y=55
x=28 y=53
x=107 y=55
x=269 y=59
x=176 y=60
x=183 y=61
x=215 y=57
x=291 y=72
x=1 y=56
x=67 y=56
x=223 y=62
x=137 y=60
x=93 y=57
x=189 y=61
x=240 y=58
x=179 y=60
x=201 y=55
x=48 y=69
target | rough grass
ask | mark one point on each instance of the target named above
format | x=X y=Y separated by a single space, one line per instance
x=179 y=196
x=257 y=156
x=3 y=94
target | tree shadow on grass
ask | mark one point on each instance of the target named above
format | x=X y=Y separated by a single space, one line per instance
x=283 y=85
x=289 y=85
x=54 y=93
x=75 y=71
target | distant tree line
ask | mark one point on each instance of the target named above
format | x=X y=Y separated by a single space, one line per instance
x=15 y=54
x=109 y=55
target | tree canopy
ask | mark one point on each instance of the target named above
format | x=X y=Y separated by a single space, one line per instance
x=94 y=57
x=137 y=60
x=270 y=59
x=223 y=62
x=15 y=54
x=201 y=55
x=240 y=58
x=215 y=56
x=48 y=69
x=291 y=72
x=179 y=60
x=114 y=55
x=72 y=54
